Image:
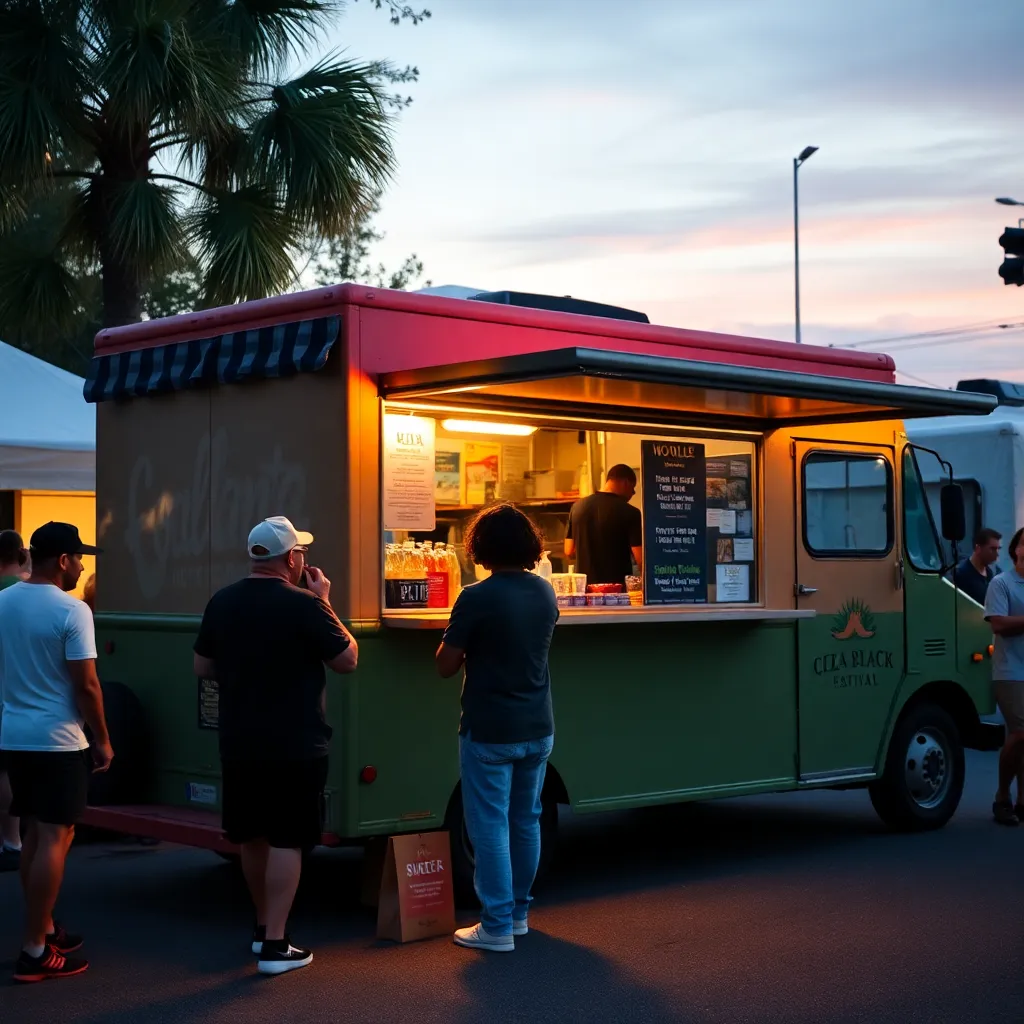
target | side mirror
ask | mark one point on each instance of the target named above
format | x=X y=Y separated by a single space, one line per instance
x=951 y=503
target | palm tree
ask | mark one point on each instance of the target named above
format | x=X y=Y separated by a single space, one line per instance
x=141 y=136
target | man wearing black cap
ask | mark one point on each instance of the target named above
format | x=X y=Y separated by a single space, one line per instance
x=50 y=692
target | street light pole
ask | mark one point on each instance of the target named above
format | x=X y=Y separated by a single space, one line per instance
x=808 y=152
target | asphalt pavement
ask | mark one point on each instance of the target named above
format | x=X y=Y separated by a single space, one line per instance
x=797 y=908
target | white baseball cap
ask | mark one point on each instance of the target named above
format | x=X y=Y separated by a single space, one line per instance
x=276 y=536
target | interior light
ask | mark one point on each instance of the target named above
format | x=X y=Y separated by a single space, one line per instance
x=485 y=427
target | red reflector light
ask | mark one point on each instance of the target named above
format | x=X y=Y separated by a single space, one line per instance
x=976 y=657
x=109 y=647
x=368 y=774
x=991 y=649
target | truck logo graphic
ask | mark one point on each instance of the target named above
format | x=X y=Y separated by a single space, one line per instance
x=854 y=619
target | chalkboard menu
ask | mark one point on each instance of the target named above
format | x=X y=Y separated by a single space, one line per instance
x=675 y=516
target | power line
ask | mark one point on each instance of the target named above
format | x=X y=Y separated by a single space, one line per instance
x=941 y=332
x=920 y=380
x=936 y=342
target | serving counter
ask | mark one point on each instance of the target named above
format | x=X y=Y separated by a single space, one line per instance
x=431 y=619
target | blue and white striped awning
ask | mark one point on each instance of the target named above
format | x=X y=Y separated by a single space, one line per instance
x=280 y=350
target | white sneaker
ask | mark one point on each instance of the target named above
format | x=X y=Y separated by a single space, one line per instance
x=520 y=927
x=477 y=938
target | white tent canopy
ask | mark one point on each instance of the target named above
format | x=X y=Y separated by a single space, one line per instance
x=47 y=429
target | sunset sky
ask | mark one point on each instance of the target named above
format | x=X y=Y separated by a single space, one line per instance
x=640 y=153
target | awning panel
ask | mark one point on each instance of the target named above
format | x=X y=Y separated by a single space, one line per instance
x=593 y=380
x=279 y=350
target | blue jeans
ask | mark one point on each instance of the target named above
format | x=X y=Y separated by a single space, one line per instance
x=501 y=786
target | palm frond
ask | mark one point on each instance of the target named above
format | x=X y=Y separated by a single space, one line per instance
x=327 y=140
x=266 y=32
x=42 y=83
x=216 y=160
x=144 y=228
x=38 y=283
x=243 y=241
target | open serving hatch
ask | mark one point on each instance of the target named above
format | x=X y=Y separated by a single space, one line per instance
x=588 y=381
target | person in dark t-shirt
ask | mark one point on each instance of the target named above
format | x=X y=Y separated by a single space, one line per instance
x=605 y=532
x=974 y=574
x=265 y=640
x=500 y=631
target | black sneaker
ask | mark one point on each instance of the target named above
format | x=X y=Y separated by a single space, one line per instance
x=1002 y=811
x=10 y=860
x=279 y=956
x=49 y=964
x=63 y=941
x=259 y=933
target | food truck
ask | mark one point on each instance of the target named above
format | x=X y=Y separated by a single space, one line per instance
x=792 y=628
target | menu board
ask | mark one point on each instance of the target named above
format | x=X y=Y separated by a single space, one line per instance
x=730 y=528
x=408 y=470
x=675 y=522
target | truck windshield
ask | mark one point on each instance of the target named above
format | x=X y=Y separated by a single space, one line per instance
x=922 y=540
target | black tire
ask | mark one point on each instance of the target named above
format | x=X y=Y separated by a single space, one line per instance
x=127 y=779
x=923 y=780
x=463 y=860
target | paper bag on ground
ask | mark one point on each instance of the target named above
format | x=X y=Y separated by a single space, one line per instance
x=416 y=895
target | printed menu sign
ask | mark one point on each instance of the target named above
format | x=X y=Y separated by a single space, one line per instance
x=409 y=467
x=675 y=522
x=730 y=535
x=416 y=898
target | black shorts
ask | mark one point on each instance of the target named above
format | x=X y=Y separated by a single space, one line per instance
x=279 y=801
x=51 y=786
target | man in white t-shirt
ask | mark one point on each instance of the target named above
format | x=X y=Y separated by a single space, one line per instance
x=50 y=691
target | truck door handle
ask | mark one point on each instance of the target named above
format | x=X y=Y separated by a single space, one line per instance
x=802 y=591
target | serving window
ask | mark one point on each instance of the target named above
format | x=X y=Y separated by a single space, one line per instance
x=696 y=491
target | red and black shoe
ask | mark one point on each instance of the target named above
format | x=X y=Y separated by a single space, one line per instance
x=63 y=941
x=49 y=964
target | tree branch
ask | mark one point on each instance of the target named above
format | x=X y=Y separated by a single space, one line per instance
x=70 y=172
x=183 y=181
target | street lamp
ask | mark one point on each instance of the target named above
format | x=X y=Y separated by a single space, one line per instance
x=807 y=153
x=1007 y=201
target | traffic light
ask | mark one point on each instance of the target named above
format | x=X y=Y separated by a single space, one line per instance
x=1012 y=269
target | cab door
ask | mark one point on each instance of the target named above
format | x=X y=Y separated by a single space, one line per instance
x=849 y=571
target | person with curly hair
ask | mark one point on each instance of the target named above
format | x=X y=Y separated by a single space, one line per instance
x=499 y=632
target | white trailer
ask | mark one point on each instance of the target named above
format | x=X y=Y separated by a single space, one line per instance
x=987 y=456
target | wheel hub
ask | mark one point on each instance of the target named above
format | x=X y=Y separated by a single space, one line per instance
x=927 y=768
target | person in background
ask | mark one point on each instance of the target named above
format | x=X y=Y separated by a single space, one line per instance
x=15 y=566
x=1004 y=609
x=89 y=593
x=605 y=531
x=51 y=691
x=976 y=572
x=266 y=639
x=500 y=631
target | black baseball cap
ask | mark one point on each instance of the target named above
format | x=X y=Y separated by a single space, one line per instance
x=52 y=540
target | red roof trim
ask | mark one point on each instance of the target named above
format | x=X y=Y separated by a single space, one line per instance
x=318 y=302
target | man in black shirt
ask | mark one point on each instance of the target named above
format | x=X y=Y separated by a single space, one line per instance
x=605 y=532
x=266 y=639
x=974 y=574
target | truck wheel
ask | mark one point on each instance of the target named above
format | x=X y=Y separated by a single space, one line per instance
x=923 y=780
x=464 y=860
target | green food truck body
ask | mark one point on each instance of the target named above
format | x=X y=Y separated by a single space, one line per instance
x=794 y=627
